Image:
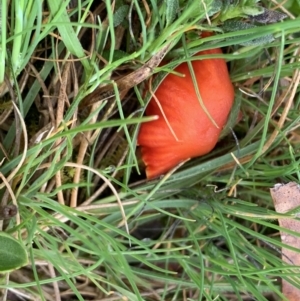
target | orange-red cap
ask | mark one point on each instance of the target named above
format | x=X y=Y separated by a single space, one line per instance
x=195 y=132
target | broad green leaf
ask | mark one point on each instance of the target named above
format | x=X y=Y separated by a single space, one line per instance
x=120 y=15
x=216 y=7
x=171 y=11
x=234 y=25
x=12 y=254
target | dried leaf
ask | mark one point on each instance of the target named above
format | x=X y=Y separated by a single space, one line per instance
x=286 y=198
x=269 y=16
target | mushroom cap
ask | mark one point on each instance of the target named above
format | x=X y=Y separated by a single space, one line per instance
x=195 y=133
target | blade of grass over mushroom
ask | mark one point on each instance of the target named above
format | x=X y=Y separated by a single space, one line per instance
x=190 y=66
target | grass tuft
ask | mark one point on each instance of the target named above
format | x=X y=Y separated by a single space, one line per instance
x=72 y=82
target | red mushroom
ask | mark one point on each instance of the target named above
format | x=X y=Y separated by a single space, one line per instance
x=184 y=130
